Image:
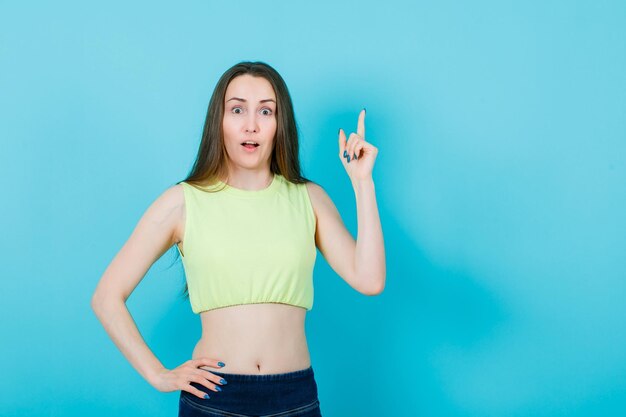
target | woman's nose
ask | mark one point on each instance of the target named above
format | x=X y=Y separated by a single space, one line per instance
x=251 y=124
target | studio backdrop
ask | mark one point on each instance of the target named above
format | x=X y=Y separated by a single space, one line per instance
x=500 y=178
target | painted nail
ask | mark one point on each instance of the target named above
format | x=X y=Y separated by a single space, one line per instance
x=217 y=387
x=345 y=154
x=348 y=158
x=206 y=396
x=354 y=157
x=223 y=381
x=221 y=364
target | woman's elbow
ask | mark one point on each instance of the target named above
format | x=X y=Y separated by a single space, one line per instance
x=100 y=301
x=97 y=302
x=376 y=288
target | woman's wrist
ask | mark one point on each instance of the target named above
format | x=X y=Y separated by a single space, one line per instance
x=154 y=375
x=363 y=183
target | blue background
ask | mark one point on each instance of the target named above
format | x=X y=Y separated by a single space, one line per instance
x=501 y=184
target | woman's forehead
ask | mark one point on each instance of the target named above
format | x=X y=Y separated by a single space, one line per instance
x=250 y=88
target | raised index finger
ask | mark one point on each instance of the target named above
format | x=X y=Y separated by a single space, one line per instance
x=360 y=129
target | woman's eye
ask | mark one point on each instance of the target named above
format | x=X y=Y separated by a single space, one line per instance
x=268 y=112
x=235 y=110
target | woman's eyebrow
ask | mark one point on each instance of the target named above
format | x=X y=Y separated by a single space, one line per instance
x=244 y=100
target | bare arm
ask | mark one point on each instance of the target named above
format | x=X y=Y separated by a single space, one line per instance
x=155 y=233
x=362 y=263
x=358 y=156
x=153 y=236
x=369 y=259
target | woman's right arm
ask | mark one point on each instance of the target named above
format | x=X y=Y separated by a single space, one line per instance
x=154 y=234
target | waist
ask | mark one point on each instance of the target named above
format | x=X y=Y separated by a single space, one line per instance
x=271 y=394
x=255 y=338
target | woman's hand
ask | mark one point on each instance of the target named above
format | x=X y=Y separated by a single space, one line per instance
x=180 y=378
x=356 y=154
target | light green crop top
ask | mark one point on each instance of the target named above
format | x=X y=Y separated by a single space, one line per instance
x=249 y=247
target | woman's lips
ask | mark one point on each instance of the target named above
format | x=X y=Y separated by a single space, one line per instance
x=250 y=148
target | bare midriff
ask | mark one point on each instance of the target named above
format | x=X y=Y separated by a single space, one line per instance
x=254 y=339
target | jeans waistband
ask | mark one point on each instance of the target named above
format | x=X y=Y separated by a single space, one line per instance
x=302 y=373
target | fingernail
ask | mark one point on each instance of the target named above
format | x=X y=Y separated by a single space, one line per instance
x=348 y=158
x=339 y=131
x=223 y=381
x=221 y=364
x=354 y=157
x=217 y=387
x=345 y=153
x=364 y=109
x=206 y=396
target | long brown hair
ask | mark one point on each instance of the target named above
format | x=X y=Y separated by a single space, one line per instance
x=210 y=163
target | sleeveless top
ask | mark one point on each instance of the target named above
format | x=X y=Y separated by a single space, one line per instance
x=249 y=246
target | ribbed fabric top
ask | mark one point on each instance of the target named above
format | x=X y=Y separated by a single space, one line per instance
x=249 y=247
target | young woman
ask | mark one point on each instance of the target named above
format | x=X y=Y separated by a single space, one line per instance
x=247 y=225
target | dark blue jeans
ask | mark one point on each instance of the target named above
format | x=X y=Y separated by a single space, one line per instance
x=269 y=395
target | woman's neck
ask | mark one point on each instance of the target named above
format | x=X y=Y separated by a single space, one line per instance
x=249 y=180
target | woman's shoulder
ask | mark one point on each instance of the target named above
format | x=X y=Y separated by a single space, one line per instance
x=164 y=208
x=320 y=200
x=171 y=204
x=169 y=199
x=174 y=195
x=315 y=190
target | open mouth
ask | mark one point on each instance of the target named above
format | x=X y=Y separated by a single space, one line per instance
x=249 y=144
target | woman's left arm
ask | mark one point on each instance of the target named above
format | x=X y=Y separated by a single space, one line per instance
x=362 y=263
x=369 y=255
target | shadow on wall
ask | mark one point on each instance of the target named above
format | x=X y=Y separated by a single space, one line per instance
x=405 y=333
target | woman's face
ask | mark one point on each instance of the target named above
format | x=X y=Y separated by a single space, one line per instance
x=249 y=115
